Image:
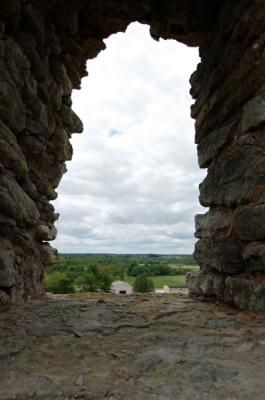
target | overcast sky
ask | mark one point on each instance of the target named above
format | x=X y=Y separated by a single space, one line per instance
x=132 y=186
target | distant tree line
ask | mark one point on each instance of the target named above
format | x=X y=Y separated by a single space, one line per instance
x=92 y=273
x=65 y=278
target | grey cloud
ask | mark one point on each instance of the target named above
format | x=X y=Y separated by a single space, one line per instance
x=133 y=183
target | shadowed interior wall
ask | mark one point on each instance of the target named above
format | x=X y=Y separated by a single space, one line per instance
x=229 y=88
x=44 y=47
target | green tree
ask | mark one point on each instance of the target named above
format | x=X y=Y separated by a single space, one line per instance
x=143 y=284
x=160 y=269
x=122 y=273
x=104 y=282
x=86 y=282
x=139 y=270
x=58 y=282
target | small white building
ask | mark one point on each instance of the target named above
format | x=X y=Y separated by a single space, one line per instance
x=121 y=287
x=171 y=289
x=159 y=290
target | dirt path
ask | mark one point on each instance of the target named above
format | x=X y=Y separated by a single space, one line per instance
x=136 y=347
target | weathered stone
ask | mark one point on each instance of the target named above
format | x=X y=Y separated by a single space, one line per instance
x=62 y=145
x=2 y=29
x=219 y=355
x=71 y=120
x=29 y=46
x=11 y=155
x=254 y=256
x=10 y=7
x=61 y=77
x=206 y=284
x=222 y=255
x=49 y=255
x=44 y=232
x=55 y=173
x=237 y=177
x=245 y=294
x=92 y=47
x=253 y=114
x=4 y=300
x=15 y=203
x=44 y=47
x=43 y=115
x=7 y=271
x=214 y=224
x=72 y=72
x=249 y=223
x=33 y=22
x=12 y=110
x=211 y=145
x=29 y=91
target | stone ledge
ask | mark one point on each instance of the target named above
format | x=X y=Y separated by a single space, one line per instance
x=243 y=293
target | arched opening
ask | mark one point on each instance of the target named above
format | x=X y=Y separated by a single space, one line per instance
x=180 y=349
x=132 y=184
x=45 y=47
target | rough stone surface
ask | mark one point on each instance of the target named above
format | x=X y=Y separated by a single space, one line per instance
x=7 y=260
x=216 y=223
x=249 y=223
x=222 y=255
x=254 y=256
x=206 y=284
x=137 y=347
x=245 y=294
x=235 y=178
x=228 y=88
x=44 y=47
x=253 y=114
x=211 y=145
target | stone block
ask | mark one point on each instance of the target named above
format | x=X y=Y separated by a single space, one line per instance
x=237 y=177
x=61 y=77
x=49 y=255
x=214 y=224
x=71 y=120
x=12 y=110
x=4 y=301
x=253 y=114
x=221 y=255
x=34 y=23
x=245 y=294
x=15 y=203
x=249 y=223
x=12 y=157
x=254 y=256
x=7 y=271
x=44 y=232
x=206 y=284
x=210 y=146
x=55 y=174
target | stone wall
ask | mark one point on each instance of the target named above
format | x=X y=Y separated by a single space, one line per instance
x=44 y=46
x=229 y=87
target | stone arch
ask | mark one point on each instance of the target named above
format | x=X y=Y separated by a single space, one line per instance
x=44 y=48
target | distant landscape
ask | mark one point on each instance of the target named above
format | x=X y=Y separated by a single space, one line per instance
x=95 y=272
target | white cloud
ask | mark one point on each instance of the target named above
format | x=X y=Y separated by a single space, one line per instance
x=132 y=185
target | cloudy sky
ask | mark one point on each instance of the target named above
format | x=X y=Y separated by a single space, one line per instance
x=132 y=186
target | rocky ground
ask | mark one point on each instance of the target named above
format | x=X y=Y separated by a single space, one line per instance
x=137 y=347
